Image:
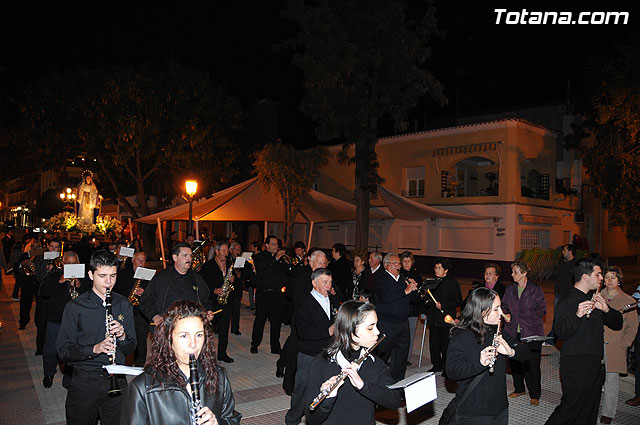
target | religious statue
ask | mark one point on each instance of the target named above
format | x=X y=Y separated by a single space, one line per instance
x=88 y=199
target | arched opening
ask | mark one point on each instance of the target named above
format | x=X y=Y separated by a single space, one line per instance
x=475 y=176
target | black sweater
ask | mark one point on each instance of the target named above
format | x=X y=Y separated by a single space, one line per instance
x=582 y=336
x=448 y=294
x=57 y=294
x=312 y=325
x=392 y=303
x=352 y=406
x=489 y=397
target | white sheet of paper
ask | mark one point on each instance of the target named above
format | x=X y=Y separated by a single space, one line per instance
x=419 y=389
x=115 y=369
x=239 y=264
x=51 y=255
x=144 y=274
x=127 y=252
x=73 y=271
x=247 y=255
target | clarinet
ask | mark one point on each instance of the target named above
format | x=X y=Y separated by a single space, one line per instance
x=114 y=389
x=194 y=383
x=495 y=345
x=342 y=375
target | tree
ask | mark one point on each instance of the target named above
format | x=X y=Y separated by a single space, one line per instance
x=363 y=62
x=609 y=136
x=147 y=126
x=291 y=173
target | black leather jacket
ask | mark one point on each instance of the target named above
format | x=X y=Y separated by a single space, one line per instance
x=155 y=403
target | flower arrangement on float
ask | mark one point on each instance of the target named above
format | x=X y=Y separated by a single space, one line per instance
x=68 y=222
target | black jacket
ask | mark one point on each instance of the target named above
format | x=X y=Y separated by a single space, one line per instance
x=214 y=277
x=270 y=272
x=312 y=325
x=342 y=278
x=448 y=294
x=169 y=286
x=392 y=304
x=155 y=403
x=350 y=406
x=57 y=294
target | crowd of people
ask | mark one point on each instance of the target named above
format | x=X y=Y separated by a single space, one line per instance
x=337 y=304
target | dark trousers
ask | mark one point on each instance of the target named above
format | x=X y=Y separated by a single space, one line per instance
x=582 y=378
x=395 y=347
x=235 y=301
x=438 y=344
x=501 y=418
x=637 y=370
x=29 y=288
x=528 y=371
x=16 y=287
x=222 y=327
x=49 y=354
x=298 y=399
x=40 y=318
x=268 y=304
x=142 y=329
x=289 y=361
x=87 y=398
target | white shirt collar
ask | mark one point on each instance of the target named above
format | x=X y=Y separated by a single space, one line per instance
x=390 y=274
x=323 y=301
x=375 y=270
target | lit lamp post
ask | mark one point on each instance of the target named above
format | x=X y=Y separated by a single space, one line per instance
x=191 y=187
x=68 y=197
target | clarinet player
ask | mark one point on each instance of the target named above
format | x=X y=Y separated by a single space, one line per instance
x=82 y=343
x=162 y=394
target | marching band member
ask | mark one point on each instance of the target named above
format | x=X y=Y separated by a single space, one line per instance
x=162 y=394
x=354 y=400
x=82 y=343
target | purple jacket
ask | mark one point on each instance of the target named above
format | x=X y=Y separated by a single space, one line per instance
x=527 y=311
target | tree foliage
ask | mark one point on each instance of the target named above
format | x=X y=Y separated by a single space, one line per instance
x=612 y=155
x=148 y=126
x=363 y=62
x=291 y=173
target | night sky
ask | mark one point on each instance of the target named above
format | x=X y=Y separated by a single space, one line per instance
x=497 y=66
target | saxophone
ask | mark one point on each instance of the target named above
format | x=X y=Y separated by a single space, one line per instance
x=133 y=298
x=227 y=287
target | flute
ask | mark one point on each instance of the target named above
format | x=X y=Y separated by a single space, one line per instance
x=342 y=375
x=593 y=298
x=495 y=345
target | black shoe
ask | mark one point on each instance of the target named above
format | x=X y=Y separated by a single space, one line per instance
x=279 y=372
x=254 y=350
x=21 y=328
x=38 y=352
x=276 y=351
x=434 y=370
x=236 y=333
x=225 y=359
x=47 y=381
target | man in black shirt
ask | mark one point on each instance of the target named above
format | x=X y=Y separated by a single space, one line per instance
x=564 y=277
x=214 y=272
x=175 y=283
x=579 y=321
x=57 y=292
x=83 y=342
x=269 y=297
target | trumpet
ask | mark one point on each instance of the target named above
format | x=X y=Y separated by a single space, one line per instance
x=73 y=289
x=57 y=262
x=194 y=383
x=114 y=389
x=342 y=375
x=288 y=259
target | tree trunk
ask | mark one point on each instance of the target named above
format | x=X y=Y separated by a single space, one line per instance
x=362 y=199
x=142 y=199
x=124 y=200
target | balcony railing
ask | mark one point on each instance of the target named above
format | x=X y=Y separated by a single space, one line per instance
x=417 y=193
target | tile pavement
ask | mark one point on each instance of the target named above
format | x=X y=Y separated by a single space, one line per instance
x=259 y=395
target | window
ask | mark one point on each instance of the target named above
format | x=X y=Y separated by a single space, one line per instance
x=475 y=176
x=414 y=182
x=534 y=184
x=533 y=238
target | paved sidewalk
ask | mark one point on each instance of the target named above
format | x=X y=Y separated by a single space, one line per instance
x=258 y=393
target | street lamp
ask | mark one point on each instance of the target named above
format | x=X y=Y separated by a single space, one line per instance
x=68 y=197
x=191 y=187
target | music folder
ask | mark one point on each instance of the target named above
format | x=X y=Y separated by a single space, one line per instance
x=144 y=273
x=419 y=389
x=127 y=252
x=73 y=271
x=118 y=369
x=51 y=255
x=239 y=264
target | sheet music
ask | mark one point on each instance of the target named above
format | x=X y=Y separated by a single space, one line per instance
x=118 y=369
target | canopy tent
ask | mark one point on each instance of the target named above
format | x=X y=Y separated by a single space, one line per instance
x=406 y=209
x=248 y=201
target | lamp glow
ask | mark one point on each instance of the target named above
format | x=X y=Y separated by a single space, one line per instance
x=191 y=187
